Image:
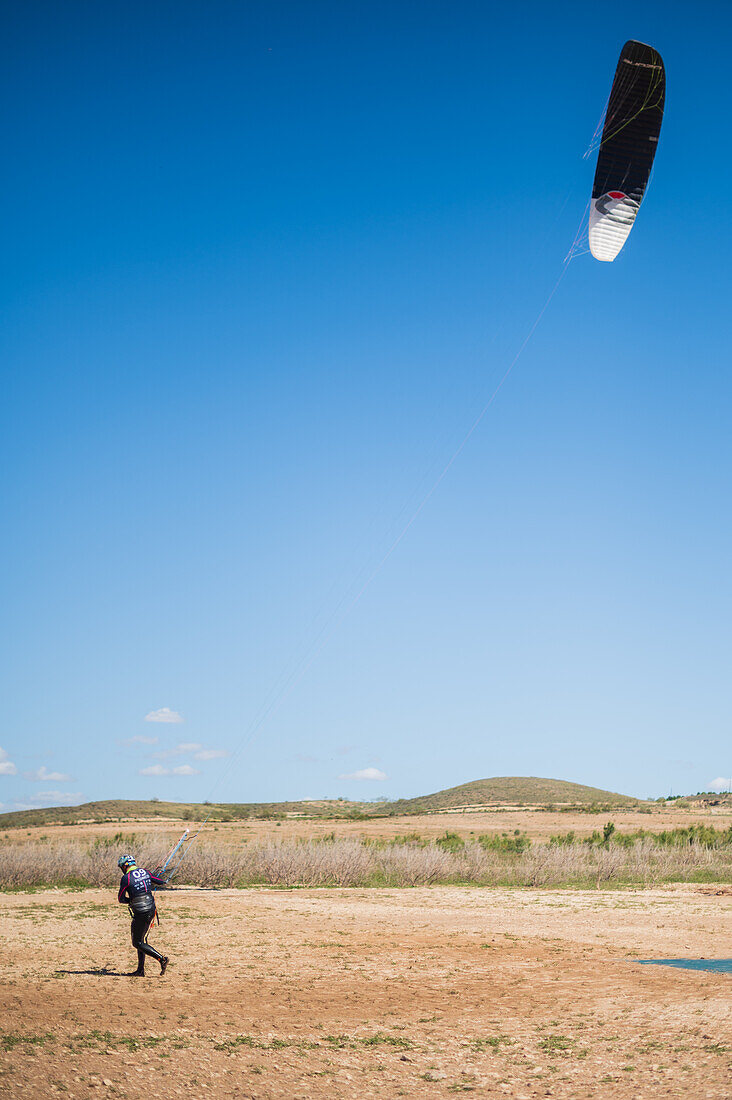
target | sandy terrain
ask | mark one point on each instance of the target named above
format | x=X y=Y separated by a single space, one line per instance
x=369 y=993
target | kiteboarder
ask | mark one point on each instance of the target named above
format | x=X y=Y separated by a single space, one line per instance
x=136 y=889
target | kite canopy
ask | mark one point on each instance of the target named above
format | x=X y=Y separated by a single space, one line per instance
x=627 y=148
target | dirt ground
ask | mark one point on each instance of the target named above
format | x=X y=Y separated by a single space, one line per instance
x=369 y=993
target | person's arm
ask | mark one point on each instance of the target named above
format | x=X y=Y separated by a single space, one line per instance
x=156 y=880
x=122 y=895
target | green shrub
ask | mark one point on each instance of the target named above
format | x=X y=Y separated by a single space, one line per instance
x=563 y=840
x=450 y=842
x=495 y=842
x=410 y=838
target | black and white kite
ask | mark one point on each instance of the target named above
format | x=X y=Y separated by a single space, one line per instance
x=627 y=147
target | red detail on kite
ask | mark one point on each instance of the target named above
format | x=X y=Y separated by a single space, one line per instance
x=616 y=195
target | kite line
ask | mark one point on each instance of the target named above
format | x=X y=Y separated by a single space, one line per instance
x=635 y=108
x=280 y=690
x=289 y=677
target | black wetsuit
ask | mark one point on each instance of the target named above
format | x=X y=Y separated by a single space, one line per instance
x=136 y=888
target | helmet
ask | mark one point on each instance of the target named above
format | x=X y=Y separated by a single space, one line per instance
x=126 y=861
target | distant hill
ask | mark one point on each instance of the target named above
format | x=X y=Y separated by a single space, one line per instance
x=502 y=791
x=511 y=790
x=122 y=809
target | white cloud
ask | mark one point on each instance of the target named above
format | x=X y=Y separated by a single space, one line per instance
x=158 y=769
x=43 y=775
x=366 y=773
x=721 y=784
x=164 y=714
x=7 y=767
x=55 y=798
x=210 y=754
x=180 y=749
x=139 y=739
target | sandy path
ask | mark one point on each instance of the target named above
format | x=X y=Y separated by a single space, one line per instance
x=369 y=993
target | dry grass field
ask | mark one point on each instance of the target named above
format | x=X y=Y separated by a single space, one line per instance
x=539 y=825
x=640 y=850
x=424 y=992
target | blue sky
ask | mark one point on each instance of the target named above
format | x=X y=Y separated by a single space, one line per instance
x=264 y=264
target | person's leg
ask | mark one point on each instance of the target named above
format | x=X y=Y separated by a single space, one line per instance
x=136 y=936
x=140 y=927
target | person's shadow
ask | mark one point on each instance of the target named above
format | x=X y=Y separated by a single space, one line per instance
x=99 y=972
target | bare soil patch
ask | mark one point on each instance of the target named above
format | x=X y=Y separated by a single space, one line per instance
x=363 y=993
